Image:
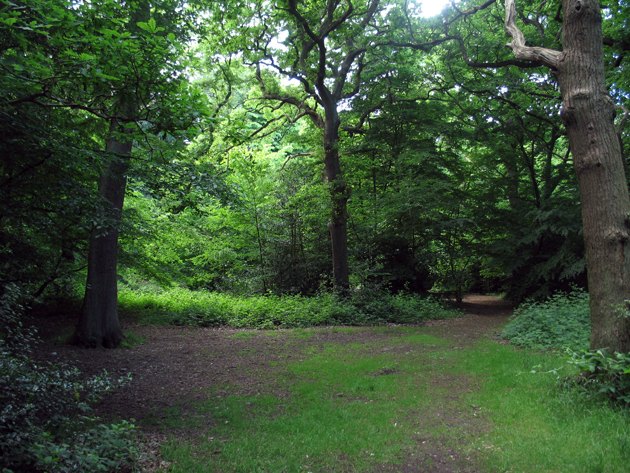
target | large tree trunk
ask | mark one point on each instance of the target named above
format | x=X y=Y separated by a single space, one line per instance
x=99 y=324
x=588 y=113
x=338 y=224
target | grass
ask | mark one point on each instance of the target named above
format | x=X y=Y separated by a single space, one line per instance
x=359 y=407
x=537 y=425
x=131 y=340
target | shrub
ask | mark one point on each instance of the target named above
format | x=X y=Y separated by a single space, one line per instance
x=39 y=403
x=177 y=306
x=602 y=373
x=100 y=448
x=561 y=321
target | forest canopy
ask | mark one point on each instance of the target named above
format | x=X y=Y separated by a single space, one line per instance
x=298 y=147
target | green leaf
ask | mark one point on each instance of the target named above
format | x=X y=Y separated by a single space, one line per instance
x=9 y=21
x=144 y=26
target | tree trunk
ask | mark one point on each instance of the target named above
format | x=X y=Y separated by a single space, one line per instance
x=99 y=324
x=588 y=112
x=338 y=225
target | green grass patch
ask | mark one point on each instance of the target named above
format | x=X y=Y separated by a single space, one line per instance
x=131 y=340
x=343 y=406
x=538 y=426
x=356 y=407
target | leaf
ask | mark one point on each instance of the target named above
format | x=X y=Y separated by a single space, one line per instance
x=9 y=21
x=144 y=26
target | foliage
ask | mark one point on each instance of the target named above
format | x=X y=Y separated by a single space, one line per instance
x=602 y=373
x=180 y=306
x=39 y=402
x=560 y=321
x=101 y=448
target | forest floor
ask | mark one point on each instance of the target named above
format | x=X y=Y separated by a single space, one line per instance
x=179 y=366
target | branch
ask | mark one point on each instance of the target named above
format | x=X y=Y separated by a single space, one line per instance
x=296 y=155
x=472 y=11
x=290 y=100
x=426 y=46
x=495 y=65
x=548 y=57
x=227 y=165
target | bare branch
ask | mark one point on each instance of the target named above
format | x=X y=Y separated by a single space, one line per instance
x=293 y=156
x=548 y=57
x=494 y=65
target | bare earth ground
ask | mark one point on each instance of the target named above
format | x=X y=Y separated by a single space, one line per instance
x=180 y=365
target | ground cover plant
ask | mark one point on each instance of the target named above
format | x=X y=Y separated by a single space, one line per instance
x=180 y=306
x=561 y=321
x=46 y=419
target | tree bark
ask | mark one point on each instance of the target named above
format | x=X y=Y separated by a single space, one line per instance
x=588 y=112
x=99 y=324
x=338 y=225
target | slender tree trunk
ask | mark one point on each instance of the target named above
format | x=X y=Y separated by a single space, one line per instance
x=588 y=112
x=338 y=225
x=99 y=324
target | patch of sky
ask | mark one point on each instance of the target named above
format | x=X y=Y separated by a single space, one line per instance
x=432 y=7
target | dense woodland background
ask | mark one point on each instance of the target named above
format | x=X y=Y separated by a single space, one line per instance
x=454 y=162
x=294 y=163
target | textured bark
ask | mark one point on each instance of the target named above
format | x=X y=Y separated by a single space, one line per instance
x=99 y=324
x=588 y=112
x=338 y=225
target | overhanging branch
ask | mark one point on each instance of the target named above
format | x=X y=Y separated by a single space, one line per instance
x=548 y=57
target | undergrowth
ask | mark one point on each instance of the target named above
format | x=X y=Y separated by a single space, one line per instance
x=602 y=374
x=561 y=321
x=179 y=306
x=45 y=422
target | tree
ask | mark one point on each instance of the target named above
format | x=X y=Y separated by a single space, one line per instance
x=97 y=61
x=333 y=50
x=588 y=113
x=99 y=324
x=146 y=84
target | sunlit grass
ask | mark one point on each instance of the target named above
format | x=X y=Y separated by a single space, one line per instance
x=539 y=426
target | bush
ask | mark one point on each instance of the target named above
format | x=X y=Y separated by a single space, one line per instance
x=602 y=373
x=39 y=403
x=100 y=448
x=365 y=306
x=561 y=321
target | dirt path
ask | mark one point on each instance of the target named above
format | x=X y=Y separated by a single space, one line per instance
x=179 y=365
